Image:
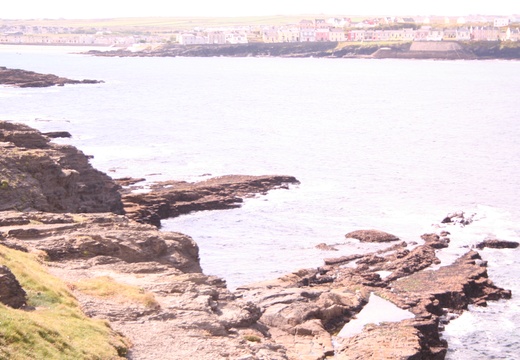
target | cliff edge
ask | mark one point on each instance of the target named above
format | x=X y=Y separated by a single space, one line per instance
x=40 y=175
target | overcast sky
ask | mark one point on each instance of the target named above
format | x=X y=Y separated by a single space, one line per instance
x=86 y=9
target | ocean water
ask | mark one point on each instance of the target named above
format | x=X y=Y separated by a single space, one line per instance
x=393 y=145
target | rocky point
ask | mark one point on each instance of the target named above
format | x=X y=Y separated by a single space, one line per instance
x=53 y=202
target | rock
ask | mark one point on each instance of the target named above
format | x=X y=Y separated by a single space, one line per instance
x=128 y=181
x=435 y=241
x=190 y=311
x=302 y=312
x=11 y=292
x=58 y=134
x=384 y=341
x=459 y=218
x=40 y=175
x=342 y=259
x=23 y=79
x=173 y=198
x=497 y=244
x=371 y=236
x=293 y=317
x=325 y=247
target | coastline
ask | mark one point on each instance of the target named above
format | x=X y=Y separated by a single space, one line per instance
x=443 y=50
x=286 y=318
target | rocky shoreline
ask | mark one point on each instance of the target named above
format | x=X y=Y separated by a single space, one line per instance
x=444 y=50
x=55 y=203
x=24 y=79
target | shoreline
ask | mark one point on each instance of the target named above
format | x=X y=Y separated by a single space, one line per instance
x=297 y=315
x=454 y=50
x=442 y=50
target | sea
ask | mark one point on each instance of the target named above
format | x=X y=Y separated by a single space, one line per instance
x=393 y=145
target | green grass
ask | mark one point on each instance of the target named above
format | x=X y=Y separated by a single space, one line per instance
x=56 y=328
x=107 y=287
x=167 y=23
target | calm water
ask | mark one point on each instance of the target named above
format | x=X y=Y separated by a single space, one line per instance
x=387 y=144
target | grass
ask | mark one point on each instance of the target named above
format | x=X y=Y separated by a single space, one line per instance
x=168 y=23
x=107 y=287
x=56 y=328
x=252 y=338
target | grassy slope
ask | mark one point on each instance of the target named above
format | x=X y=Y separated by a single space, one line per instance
x=56 y=328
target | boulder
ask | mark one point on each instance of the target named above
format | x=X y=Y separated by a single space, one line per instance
x=11 y=292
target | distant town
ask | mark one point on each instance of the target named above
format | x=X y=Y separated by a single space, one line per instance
x=343 y=29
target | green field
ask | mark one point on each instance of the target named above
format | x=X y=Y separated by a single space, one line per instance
x=162 y=23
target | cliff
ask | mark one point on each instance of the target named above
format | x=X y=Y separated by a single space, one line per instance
x=148 y=285
x=40 y=175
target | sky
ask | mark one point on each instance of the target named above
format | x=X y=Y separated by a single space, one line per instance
x=88 y=9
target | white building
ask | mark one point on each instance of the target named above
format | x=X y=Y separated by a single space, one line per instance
x=501 y=22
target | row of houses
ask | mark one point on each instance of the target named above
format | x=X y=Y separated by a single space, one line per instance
x=94 y=40
x=425 y=33
x=212 y=37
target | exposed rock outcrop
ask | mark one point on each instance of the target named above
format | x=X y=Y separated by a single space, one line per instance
x=24 y=78
x=296 y=316
x=188 y=311
x=371 y=236
x=173 y=198
x=305 y=309
x=11 y=292
x=458 y=217
x=40 y=175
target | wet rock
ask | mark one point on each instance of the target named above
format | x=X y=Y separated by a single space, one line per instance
x=435 y=241
x=58 y=134
x=459 y=218
x=371 y=236
x=497 y=244
x=129 y=181
x=325 y=247
x=173 y=198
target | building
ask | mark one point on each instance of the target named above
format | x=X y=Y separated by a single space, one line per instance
x=321 y=24
x=322 y=34
x=270 y=35
x=307 y=31
x=216 y=37
x=501 y=22
x=337 y=34
x=191 y=39
x=485 y=33
x=289 y=34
